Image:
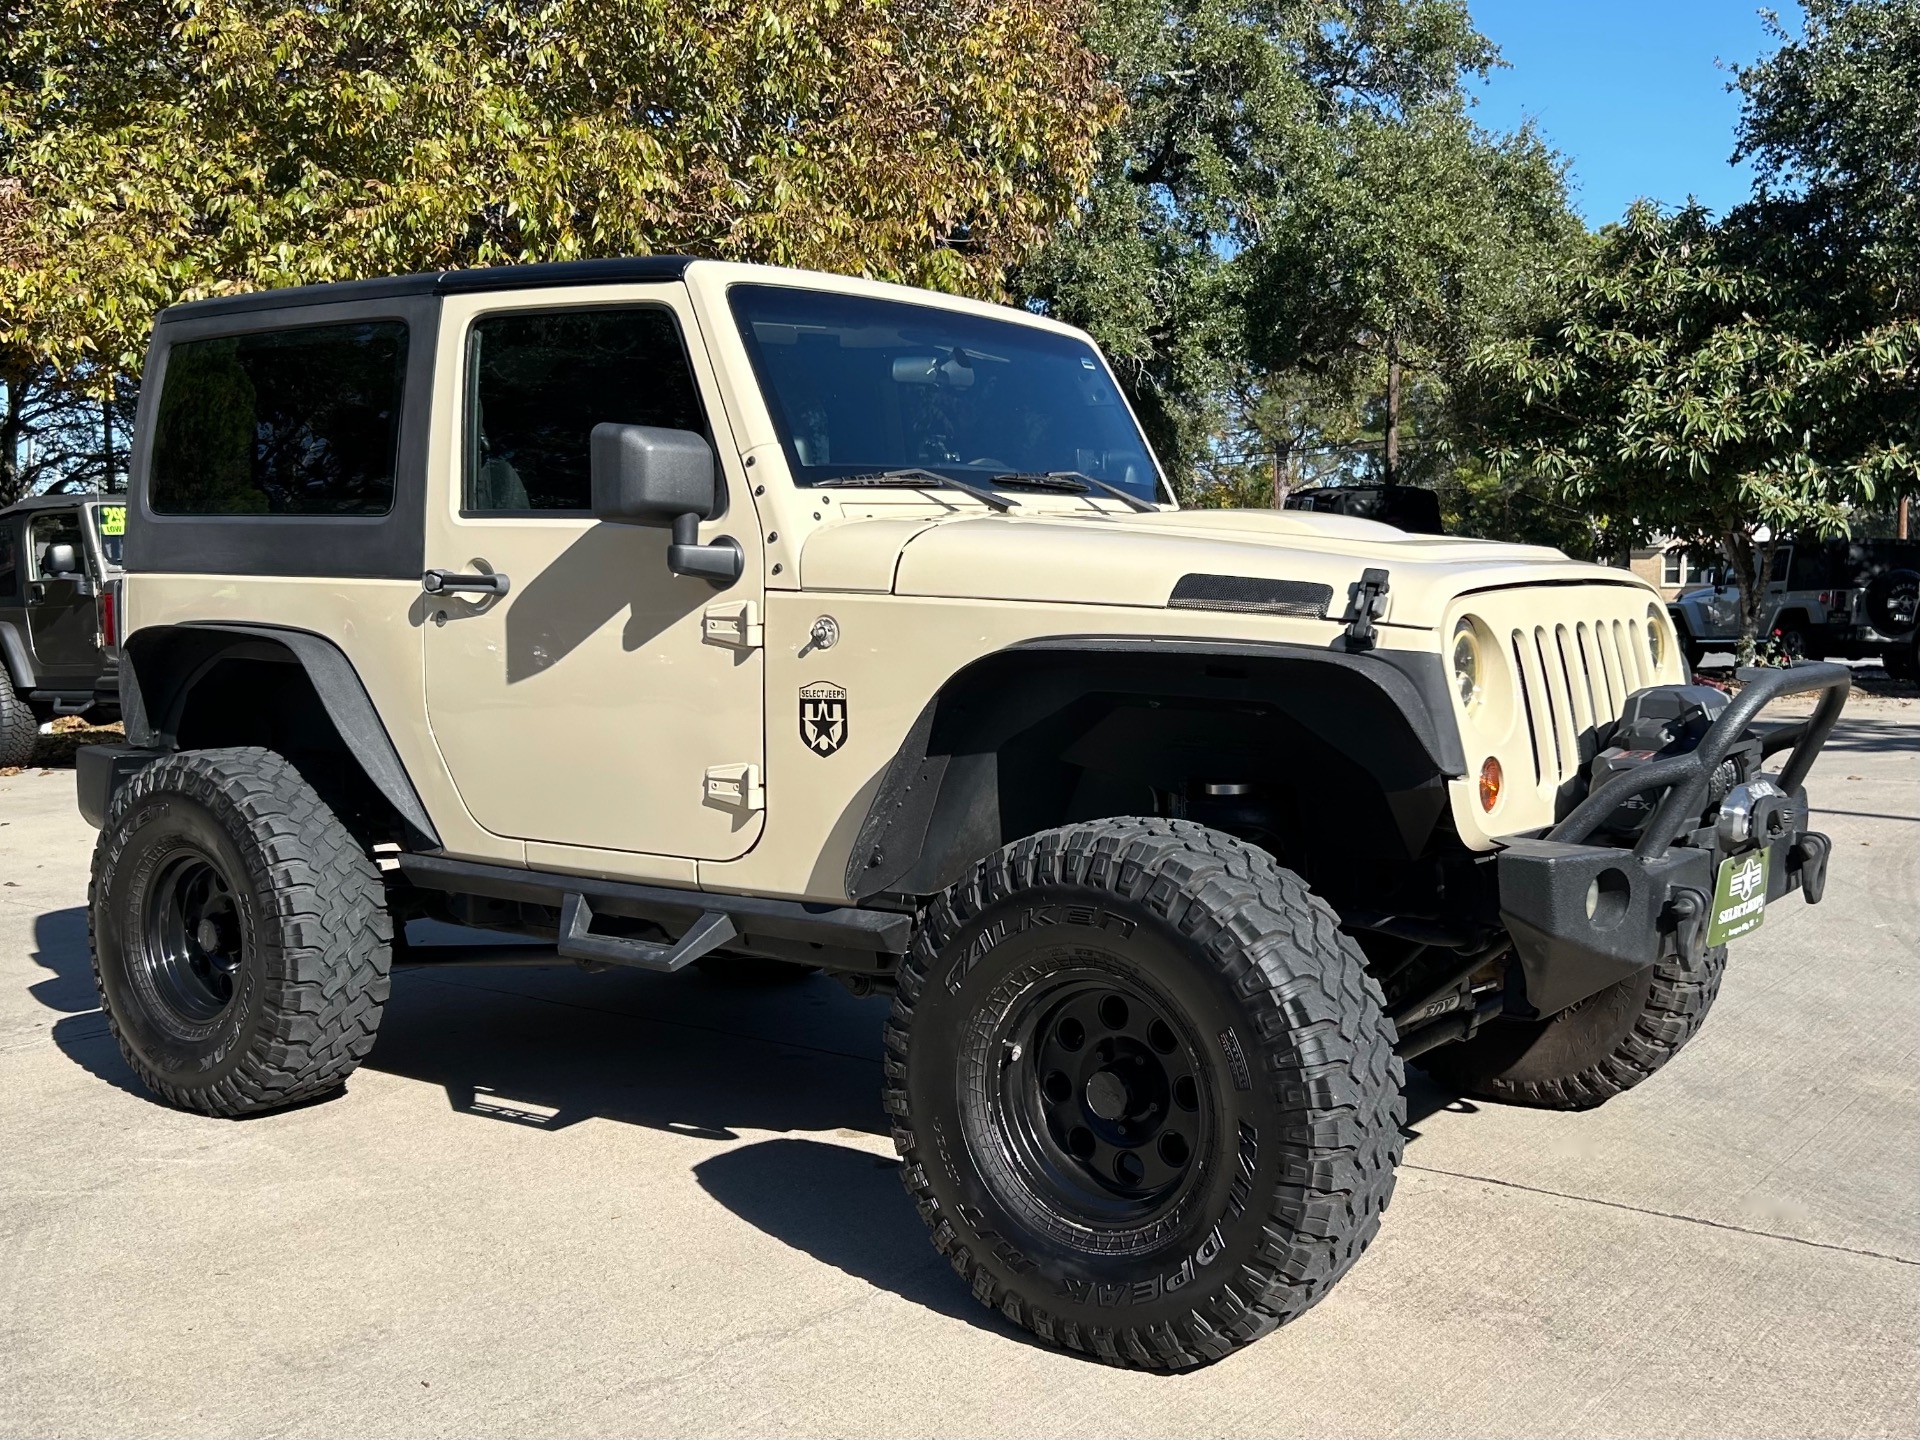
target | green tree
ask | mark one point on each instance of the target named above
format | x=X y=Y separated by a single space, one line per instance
x=1666 y=397
x=1229 y=103
x=1830 y=122
x=157 y=150
x=1412 y=238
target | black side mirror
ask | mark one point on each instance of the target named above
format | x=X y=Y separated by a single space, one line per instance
x=644 y=474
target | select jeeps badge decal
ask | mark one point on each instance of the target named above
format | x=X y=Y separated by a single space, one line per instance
x=823 y=716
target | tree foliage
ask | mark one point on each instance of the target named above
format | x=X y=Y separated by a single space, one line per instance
x=1830 y=122
x=1410 y=238
x=158 y=150
x=1232 y=108
x=1666 y=398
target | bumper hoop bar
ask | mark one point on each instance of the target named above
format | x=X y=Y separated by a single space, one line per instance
x=1685 y=777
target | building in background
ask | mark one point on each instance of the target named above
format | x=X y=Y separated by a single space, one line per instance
x=1670 y=567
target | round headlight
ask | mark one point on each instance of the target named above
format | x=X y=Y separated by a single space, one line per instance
x=1656 y=637
x=1466 y=663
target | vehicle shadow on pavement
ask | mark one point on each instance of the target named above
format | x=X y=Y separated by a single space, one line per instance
x=845 y=1208
x=1873 y=737
x=547 y=1048
x=61 y=949
x=1426 y=1098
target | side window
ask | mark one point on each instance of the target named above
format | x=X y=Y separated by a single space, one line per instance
x=1777 y=571
x=537 y=384
x=9 y=565
x=282 y=422
x=62 y=527
x=1811 y=568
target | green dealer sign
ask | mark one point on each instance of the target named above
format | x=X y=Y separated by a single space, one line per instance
x=1739 y=897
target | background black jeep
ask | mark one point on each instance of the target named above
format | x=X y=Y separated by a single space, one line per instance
x=59 y=555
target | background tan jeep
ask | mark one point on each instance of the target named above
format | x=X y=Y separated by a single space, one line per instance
x=675 y=610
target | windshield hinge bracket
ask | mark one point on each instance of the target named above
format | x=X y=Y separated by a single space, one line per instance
x=1366 y=603
x=737 y=787
x=735 y=623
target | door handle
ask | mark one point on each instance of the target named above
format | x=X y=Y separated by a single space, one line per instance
x=452 y=582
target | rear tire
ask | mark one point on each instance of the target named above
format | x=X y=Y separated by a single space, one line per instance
x=1144 y=1090
x=19 y=729
x=1585 y=1055
x=240 y=933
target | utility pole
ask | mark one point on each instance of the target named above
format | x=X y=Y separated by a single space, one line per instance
x=1393 y=410
x=1902 y=532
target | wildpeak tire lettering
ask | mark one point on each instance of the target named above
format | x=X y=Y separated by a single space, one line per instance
x=1145 y=1292
x=1091 y=916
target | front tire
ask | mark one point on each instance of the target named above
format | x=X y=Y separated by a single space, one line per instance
x=1590 y=1052
x=19 y=727
x=240 y=934
x=1144 y=1090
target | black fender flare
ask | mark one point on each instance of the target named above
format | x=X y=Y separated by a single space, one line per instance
x=162 y=664
x=13 y=652
x=894 y=832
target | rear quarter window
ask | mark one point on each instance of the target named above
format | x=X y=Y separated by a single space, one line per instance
x=111 y=523
x=9 y=565
x=281 y=422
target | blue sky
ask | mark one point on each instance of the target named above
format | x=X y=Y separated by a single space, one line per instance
x=1628 y=91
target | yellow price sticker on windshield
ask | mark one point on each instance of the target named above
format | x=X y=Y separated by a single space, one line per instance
x=113 y=519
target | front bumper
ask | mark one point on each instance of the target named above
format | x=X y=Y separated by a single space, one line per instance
x=1584 y=916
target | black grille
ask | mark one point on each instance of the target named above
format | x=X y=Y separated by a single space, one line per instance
x=1249 y=595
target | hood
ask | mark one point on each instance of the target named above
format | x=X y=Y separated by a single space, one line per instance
x=1089 y=558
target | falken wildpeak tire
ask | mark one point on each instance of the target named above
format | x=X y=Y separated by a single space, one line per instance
x=19 y=728
x=1247 y=1031
x=241 y=940
x=1587 y=1054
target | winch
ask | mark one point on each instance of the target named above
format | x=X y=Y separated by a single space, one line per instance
x=1655 y=724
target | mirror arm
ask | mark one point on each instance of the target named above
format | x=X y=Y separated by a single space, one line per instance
x=722 y=561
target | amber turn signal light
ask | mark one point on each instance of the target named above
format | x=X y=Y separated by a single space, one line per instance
x=1490 y=784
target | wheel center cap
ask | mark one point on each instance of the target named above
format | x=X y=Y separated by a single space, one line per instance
x=1107 y=1095
x=207 y=935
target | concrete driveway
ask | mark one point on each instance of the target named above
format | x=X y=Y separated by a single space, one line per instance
x=555 y=1203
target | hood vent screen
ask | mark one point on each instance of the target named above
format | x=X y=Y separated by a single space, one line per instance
x=1251 y=596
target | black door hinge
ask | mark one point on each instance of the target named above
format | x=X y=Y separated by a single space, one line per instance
x=1366 y=603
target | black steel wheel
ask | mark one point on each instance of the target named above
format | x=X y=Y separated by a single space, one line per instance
x=190 y=942
x=240 y=933
x=1103 y=1103
x=1144 y=1090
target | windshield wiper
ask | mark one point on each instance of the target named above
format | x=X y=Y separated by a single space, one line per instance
x=1076 y=482
x=915 y=478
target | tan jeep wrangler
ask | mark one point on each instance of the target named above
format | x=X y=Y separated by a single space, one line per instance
x=672 y=610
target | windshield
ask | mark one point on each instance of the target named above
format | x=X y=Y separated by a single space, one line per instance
x=859 y=386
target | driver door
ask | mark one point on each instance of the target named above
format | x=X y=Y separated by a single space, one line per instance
x=61 y=618
x=603 y=702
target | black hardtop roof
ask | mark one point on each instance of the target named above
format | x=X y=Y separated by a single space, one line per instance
x=64 y=501
x=437 y=282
